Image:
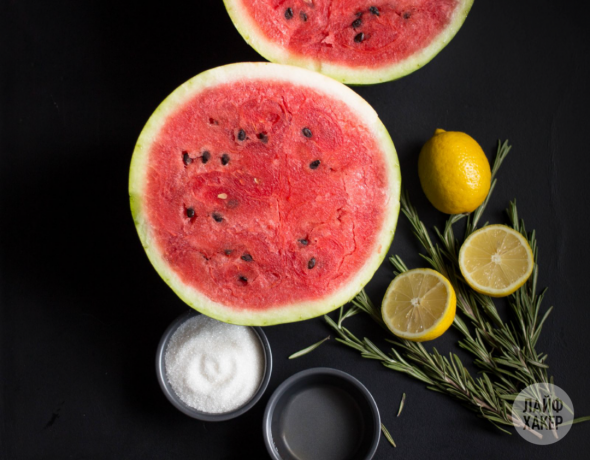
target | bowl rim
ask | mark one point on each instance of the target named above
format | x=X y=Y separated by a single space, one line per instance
x=281 y=390
x=194 y=413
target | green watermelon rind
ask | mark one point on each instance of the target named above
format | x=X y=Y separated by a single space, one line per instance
x=254 y=36
x=284 y=313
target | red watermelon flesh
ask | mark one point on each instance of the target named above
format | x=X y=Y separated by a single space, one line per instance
x=356 y=41
x=262 y=195
x=280 y=220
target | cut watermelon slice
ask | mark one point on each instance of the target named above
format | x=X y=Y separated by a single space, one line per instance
x=265 y=193
x=355 y=42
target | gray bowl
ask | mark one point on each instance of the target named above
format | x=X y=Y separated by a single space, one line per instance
x=321 y=413
x=194 y=413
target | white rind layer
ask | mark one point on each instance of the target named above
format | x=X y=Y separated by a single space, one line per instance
x=352 y=75
x=275 y=72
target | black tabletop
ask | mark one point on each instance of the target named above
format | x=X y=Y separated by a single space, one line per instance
x=82 y=309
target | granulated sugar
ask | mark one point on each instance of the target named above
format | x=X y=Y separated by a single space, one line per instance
x=213 y=366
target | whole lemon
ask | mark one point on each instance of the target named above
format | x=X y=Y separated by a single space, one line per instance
x=454 y=172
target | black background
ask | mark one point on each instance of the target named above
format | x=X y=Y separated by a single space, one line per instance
x=82 y=309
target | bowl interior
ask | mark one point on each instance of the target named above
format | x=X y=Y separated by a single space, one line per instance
x=190 y=411
x=322 y=414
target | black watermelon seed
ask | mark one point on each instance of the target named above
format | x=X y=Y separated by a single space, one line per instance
x=224 y=159
x=190 y=212
x=247 y=258
x=186 y=159
x=356 y=23
x=311 y=263
x=228 y=252
x=359 y=37
x=217 y=217
x=303 y=16
x=304 y=241
x=212 y=121
x=263 y=137
x=241 y=135
x=314 y=164
x=233 y=203
x=289 y=13
x=374 y=10
x=243 y=279
x=407 y=15
x=205 y=156
x=306 y=132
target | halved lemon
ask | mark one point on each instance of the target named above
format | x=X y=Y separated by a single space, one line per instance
x=496 y=260
x=419 y=305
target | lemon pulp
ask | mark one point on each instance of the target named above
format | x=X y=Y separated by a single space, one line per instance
x=496 y=260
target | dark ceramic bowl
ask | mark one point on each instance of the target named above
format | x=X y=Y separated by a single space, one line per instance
x=321 y=413
x=194 y=413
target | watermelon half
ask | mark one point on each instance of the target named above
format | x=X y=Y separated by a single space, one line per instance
x=264 y=193
x=353 y=41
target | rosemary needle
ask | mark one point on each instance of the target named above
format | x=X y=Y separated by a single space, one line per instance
x=401 y=404
x=387 y=435
x=308 y=349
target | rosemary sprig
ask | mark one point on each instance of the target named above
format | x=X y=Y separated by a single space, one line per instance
x=503 y=351
x=439 y=373
x=498 y=347
x=308 y=349
x=517 y=363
